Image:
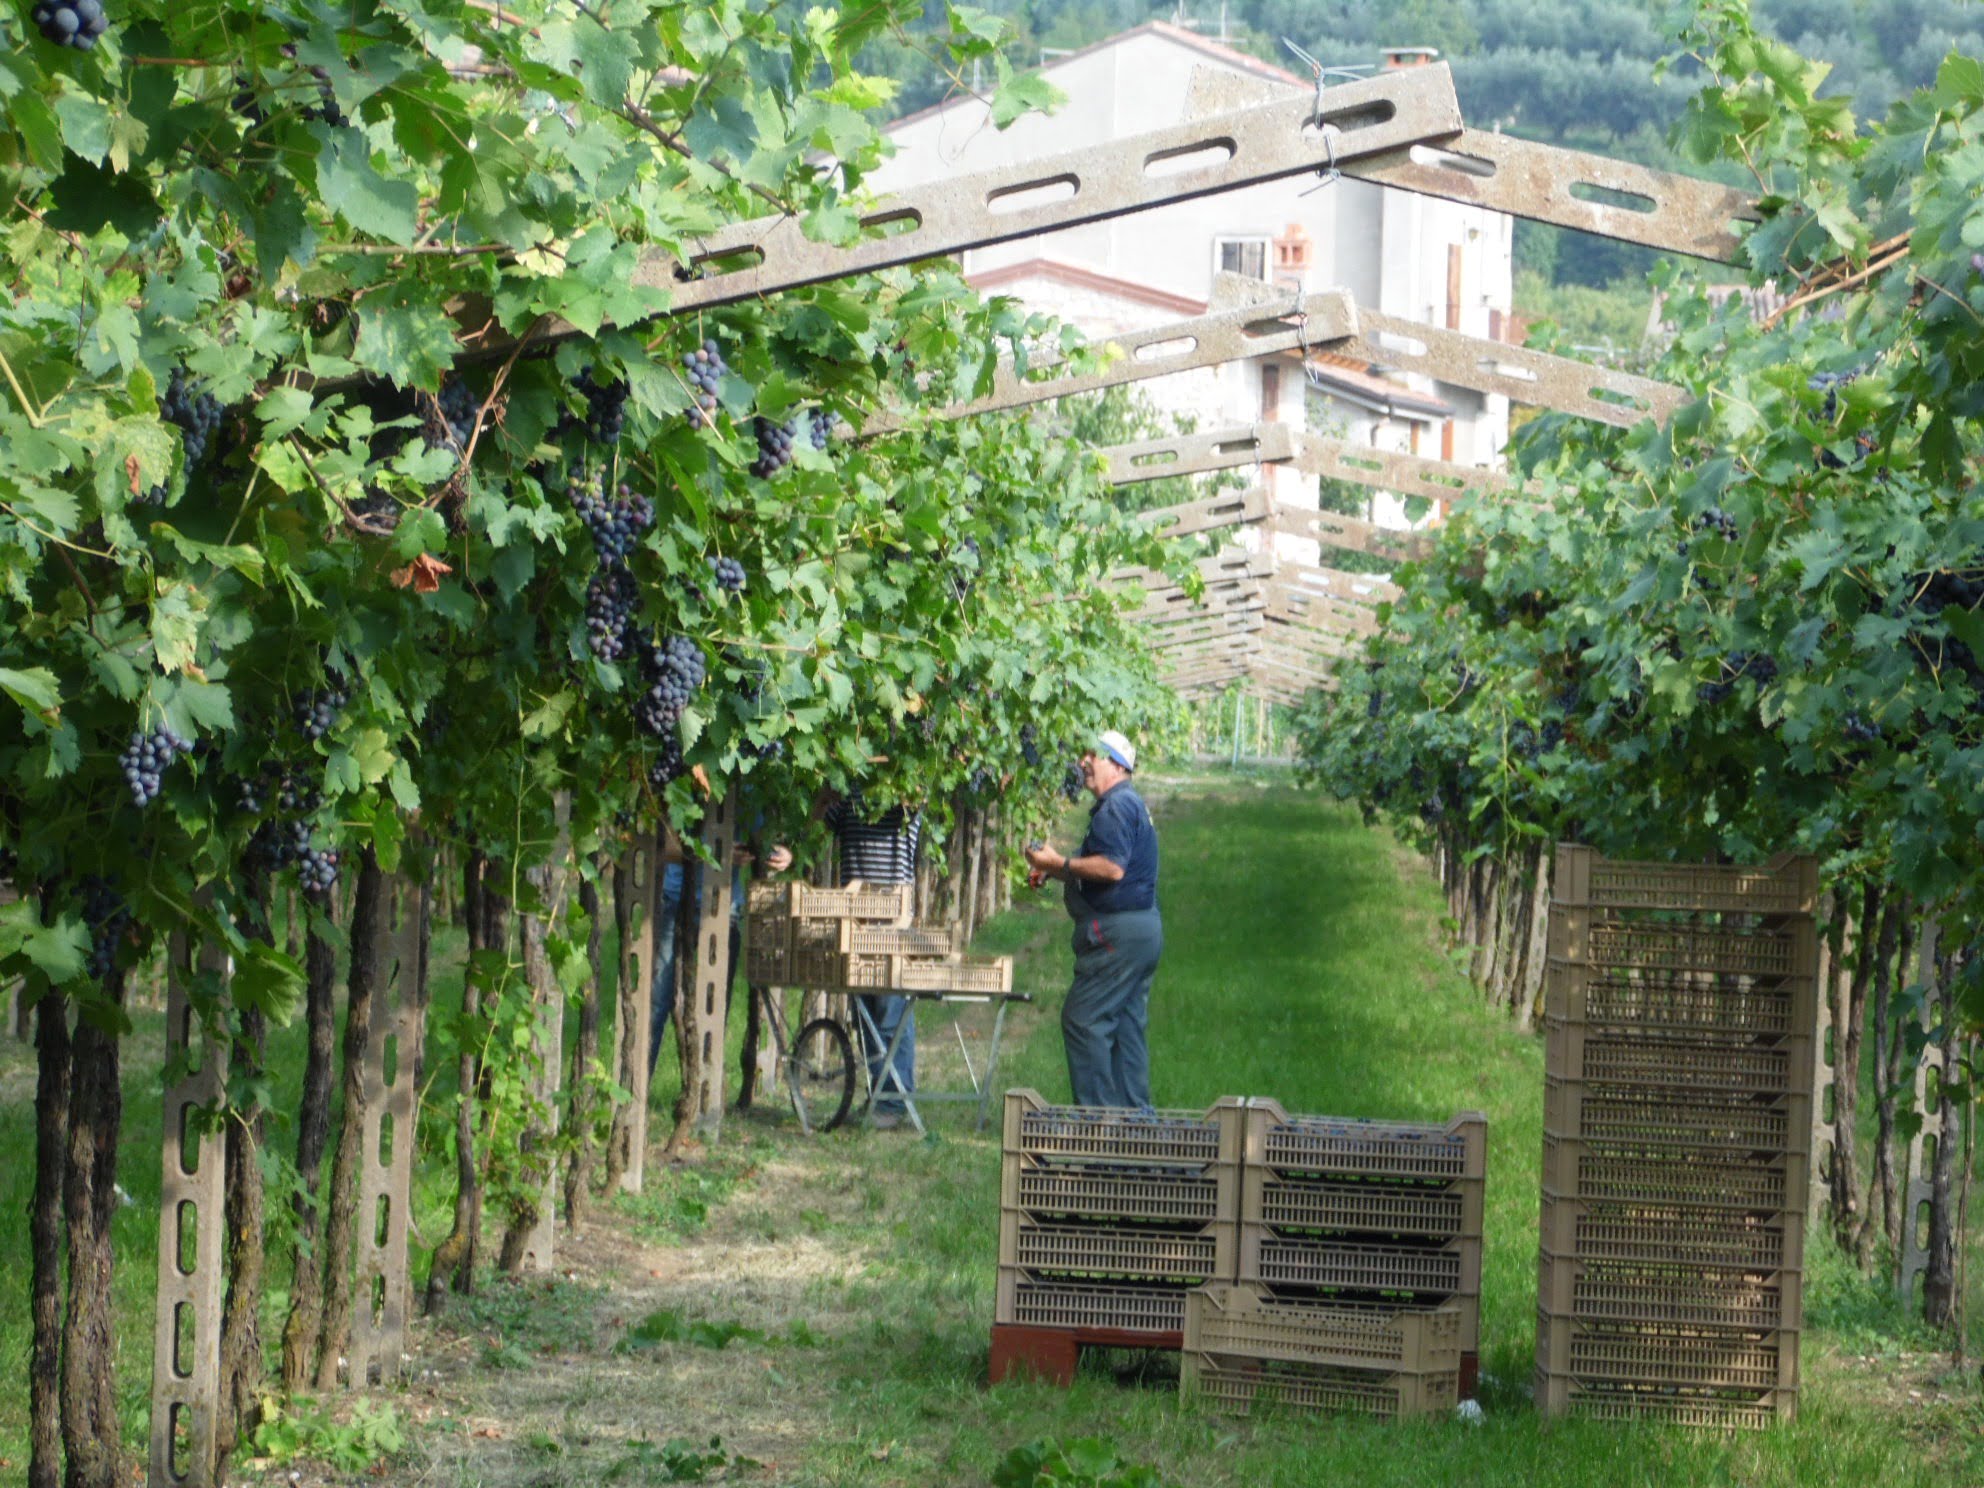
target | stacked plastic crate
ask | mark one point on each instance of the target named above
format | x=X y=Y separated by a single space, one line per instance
x=1359 y=1281
x=860 y=937
x=1107 y=1220
x=1681 y=1004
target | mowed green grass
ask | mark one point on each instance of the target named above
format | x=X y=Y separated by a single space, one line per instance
x=1303 y=961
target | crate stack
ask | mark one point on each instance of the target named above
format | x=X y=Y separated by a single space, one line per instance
x=1359 y=1280
x=1681 y=1004
x=859 y=937
x=1107 y=1220
x=1327 y=1264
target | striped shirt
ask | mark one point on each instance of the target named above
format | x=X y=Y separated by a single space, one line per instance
x=881 y=851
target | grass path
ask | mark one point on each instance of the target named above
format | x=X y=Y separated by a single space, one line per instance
x=823 y=1306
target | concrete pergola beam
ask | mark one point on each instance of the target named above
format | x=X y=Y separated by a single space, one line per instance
x=1210 y=514
x=1570 y=188
x=1195 y=454
x=1199 y=157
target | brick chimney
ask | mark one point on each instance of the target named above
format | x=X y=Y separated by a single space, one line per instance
x=1294 y=253
x=1402 y=57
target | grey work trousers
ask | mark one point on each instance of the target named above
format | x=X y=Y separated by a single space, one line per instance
x=1105 y=1019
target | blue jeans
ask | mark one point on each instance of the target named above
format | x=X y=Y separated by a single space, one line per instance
x=661 y=997
x=1104 y=1022
x=889 y=1014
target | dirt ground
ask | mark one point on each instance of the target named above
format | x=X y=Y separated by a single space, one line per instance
x=598 y=1372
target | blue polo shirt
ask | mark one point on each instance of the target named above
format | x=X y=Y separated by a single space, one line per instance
x=1120 y=829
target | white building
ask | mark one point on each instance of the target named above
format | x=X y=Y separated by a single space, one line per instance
x=1414 y=257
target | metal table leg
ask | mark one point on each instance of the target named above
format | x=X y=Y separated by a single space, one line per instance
x=877 y=1088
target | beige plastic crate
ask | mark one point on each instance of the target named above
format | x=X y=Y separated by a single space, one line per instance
x=1672 y=1295
x=1787 y=885
x=1243 y=1321
x=1587 y=937
x=1241 y=1386
x=1103 y=1135
x=1096 y=1252
x=1693 y=1358
x=1346 y=1147
x=1419 y=1271
x=888 y=903
x=1559 y=1395
x=1104 y=1191
x=1634 y=1174
x=870 y=938
x=1630 y=1113
x=954 y=973
x=1679 y=1005
x=1297 y=1206
x=1047 y=1302
x=1578 y=1051
x=1603 y=1230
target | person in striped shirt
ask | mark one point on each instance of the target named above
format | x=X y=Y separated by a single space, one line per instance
x=878 y=848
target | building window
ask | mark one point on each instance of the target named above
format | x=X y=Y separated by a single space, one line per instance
x=1248 y=256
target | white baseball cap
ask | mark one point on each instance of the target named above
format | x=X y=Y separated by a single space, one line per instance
x=1118 y=748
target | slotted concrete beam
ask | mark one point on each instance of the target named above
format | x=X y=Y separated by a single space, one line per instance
x=1195 y=454
x=1196 y=158
x=1571 y=188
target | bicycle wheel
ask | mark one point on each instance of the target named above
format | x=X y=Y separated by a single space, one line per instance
x=820 y=1074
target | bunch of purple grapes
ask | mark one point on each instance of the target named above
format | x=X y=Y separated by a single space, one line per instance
x=705 y=368
x=612 y=599
x=820 y=424
x=774 y=446
x=1758 y=667
x=318 y=710
x=606 y=409
x=617 y=525
x=75 y=23
x=729 y=573
x=145 y=759
x=108 y=917
x=1718 y=521
x=459 y=408
x=1071 y=783
x=675 y=669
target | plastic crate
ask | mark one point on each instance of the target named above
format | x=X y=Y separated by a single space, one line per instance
x=1576 y=1051
x=874 y=939
x=1296 y=1206
x=953 y=973
x=1559 y=1395
x=1094 y=1252
x=768 y=953
x=1787 y=885
x=1679 y=1004
x=1586 y=938
x=1048 y=1302
x=1101 y=1134
x=1698 y=1358
x=1242 y=1385
x=860 y=972
x=1673 y=1295
x=1580 y=1169
x=1421 y=1271
x=1244 y=1322
x=889 y=903
x=1607 y=1231
x=1049 y=1190
x=1656 y=1117
x=1343 y=1147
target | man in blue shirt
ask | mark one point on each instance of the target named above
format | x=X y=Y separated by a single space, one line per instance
x=1111 y=892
